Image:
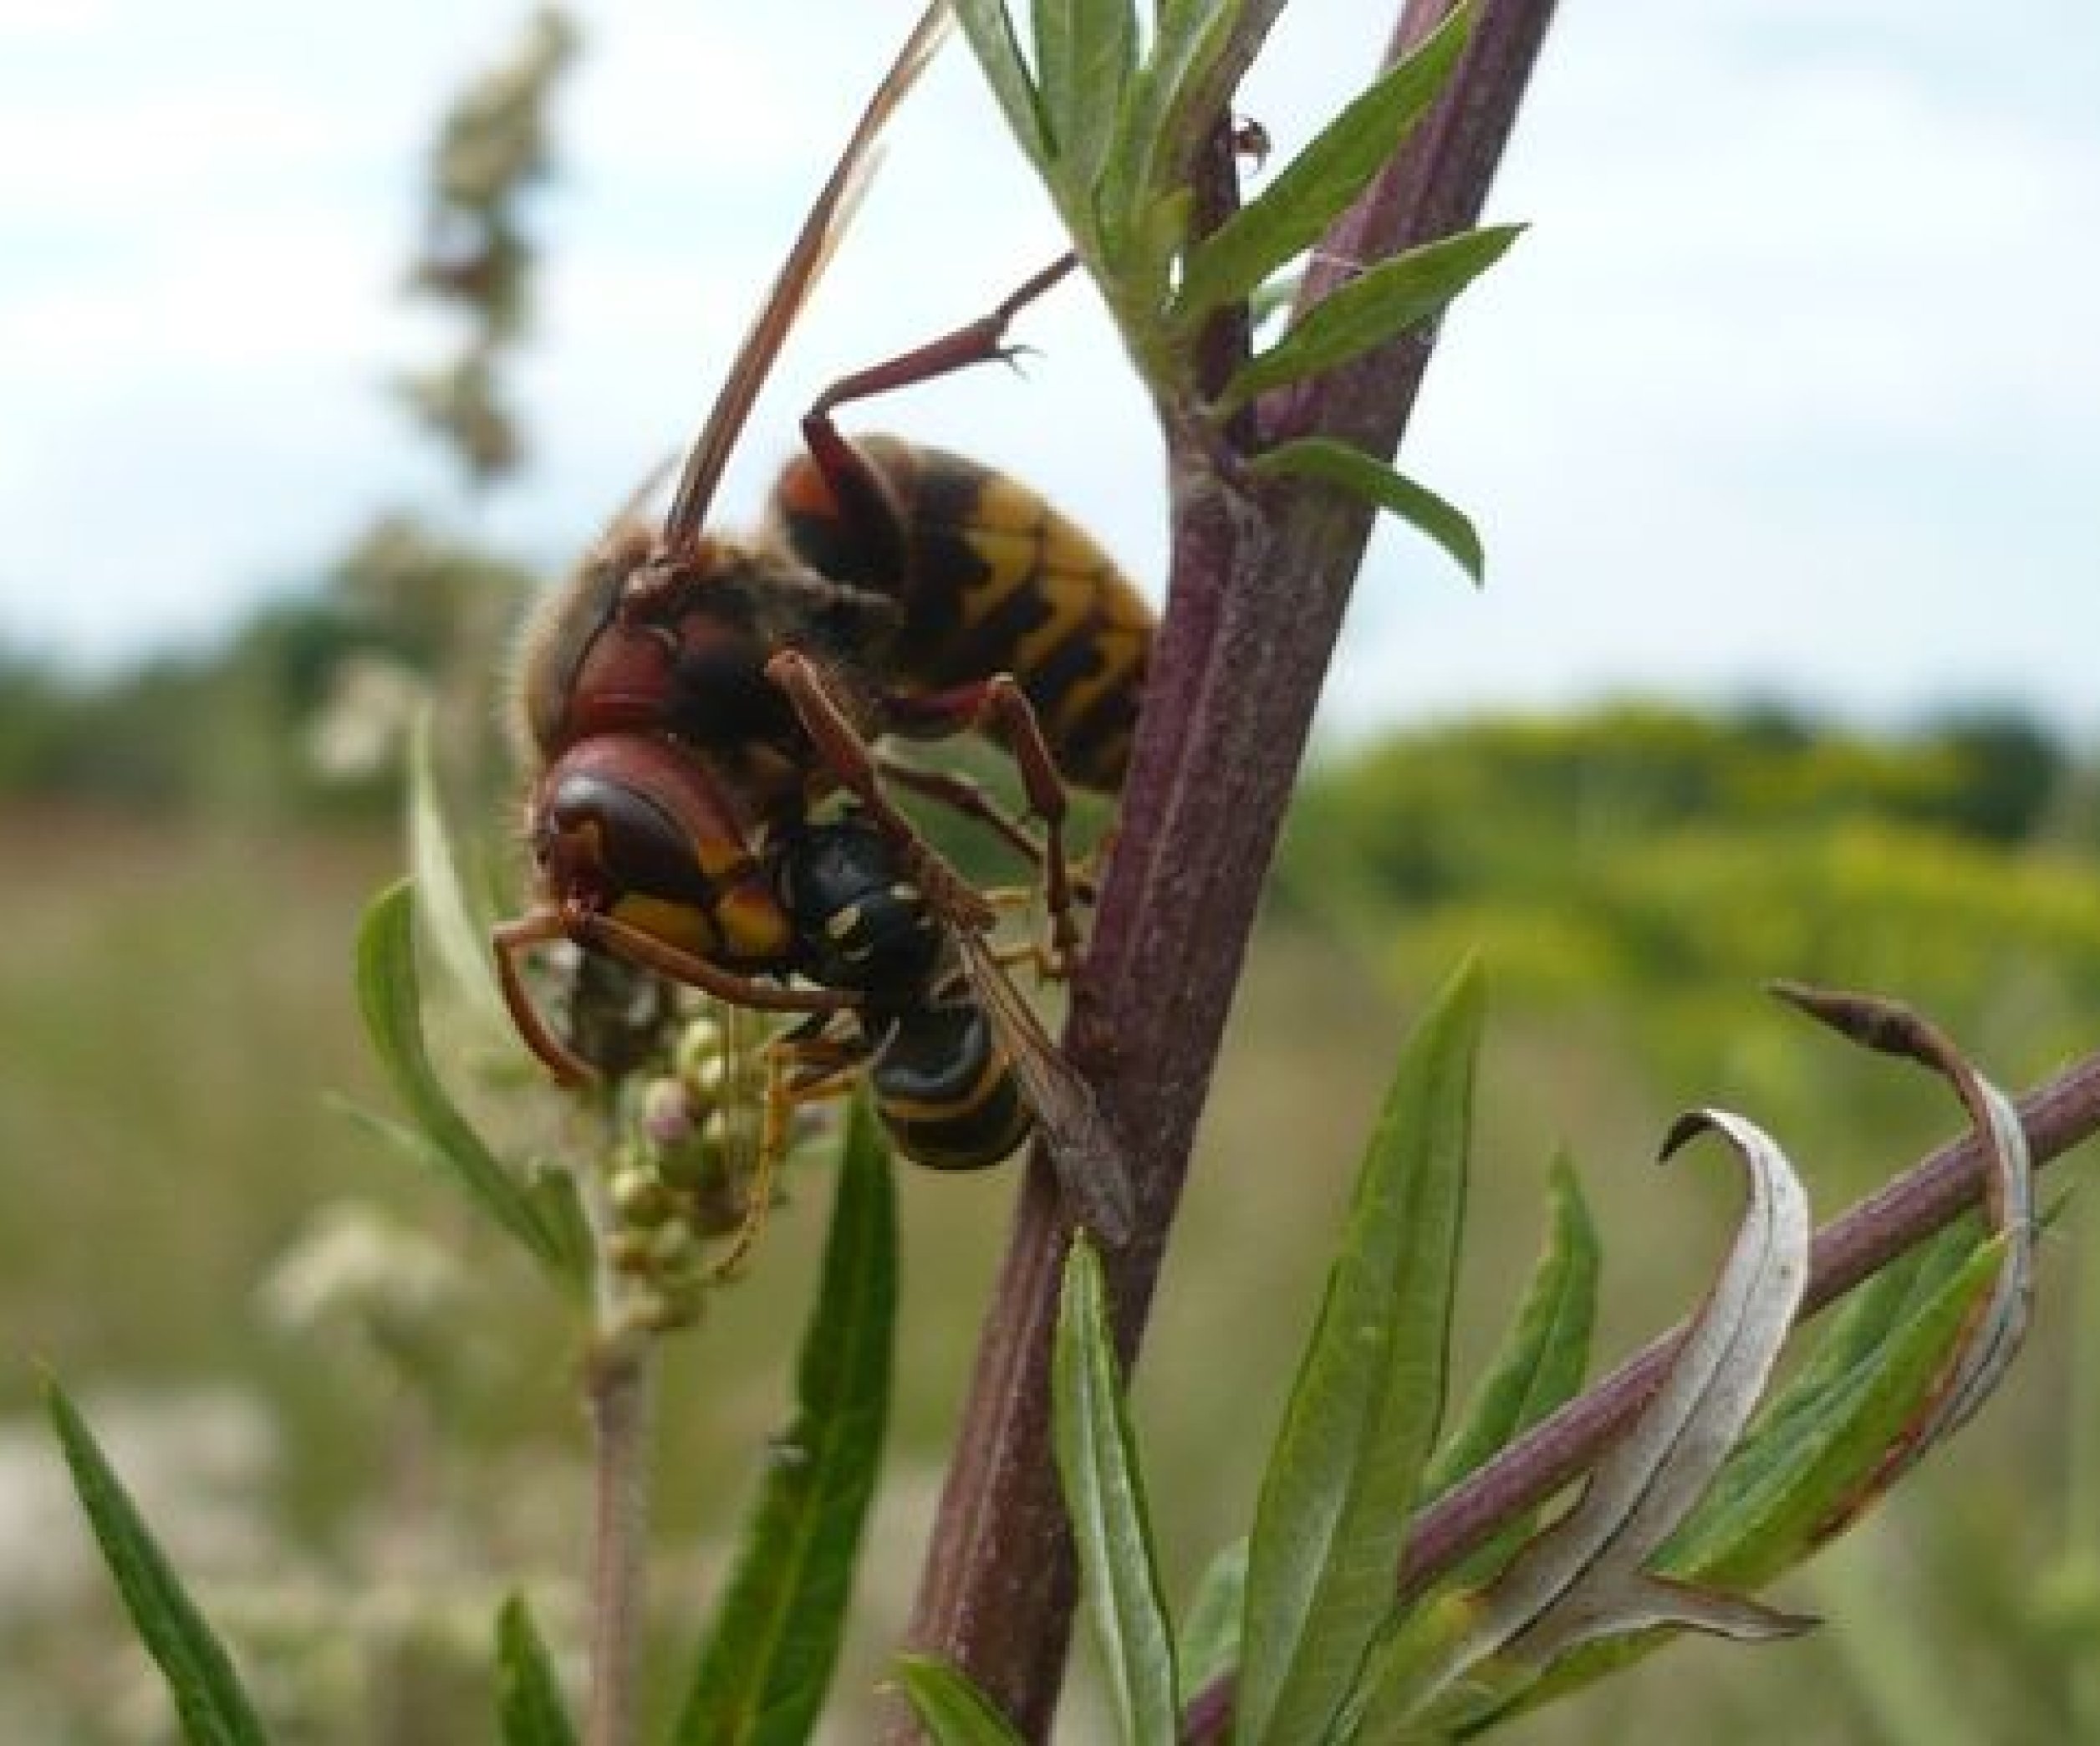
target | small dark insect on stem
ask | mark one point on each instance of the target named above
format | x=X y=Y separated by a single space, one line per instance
x=1257 y=593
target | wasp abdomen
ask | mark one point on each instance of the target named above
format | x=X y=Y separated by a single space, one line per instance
x=993 y=581
x=946 y=1091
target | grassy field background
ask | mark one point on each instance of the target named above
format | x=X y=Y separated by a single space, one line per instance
x=353 y=1490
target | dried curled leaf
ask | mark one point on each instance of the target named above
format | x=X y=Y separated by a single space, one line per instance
x=1997 y=1323
x=1587 y=1576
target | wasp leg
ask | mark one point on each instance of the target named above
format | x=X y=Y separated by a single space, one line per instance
x=801 y=1068
x=851 y=761
x=511 y=940
x=1001 y=701
x=622 y=940
x=863 y=501
x=963 y=796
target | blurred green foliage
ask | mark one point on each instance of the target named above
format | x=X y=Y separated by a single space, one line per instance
x=1668 y=862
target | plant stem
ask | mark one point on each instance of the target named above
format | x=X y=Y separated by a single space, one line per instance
x=619 y=1397
x=1257 y=593
x=620 y=1394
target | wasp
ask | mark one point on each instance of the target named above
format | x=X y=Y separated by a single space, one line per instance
x=691 y=699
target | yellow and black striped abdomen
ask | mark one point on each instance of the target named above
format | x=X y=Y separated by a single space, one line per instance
x=946 y=1091
x=995 y=580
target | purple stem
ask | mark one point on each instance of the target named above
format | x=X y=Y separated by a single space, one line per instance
x=1255 y=602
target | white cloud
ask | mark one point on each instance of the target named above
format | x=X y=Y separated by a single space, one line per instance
x=1789 y=383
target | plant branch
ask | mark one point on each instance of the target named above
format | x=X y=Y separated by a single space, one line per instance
x=618 y=1396
x=1257 y=589
x=618 y=1393
x=2058 y=1117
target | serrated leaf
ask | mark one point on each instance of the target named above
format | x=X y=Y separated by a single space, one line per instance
x=529 y=1705
x=1542 y=1360
x=1103 y=1491
x=456 y=934
x=760 y=1680
x=988 y=28
x=1317 y=186
x=390 y=998
x=1207 y=1646
x=953 y=1712
x=1332 y=1516
x=210 y=1702
x=1383 y=485
x=1380 y=304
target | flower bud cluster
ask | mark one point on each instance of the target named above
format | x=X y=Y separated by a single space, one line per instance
x=687 y=1170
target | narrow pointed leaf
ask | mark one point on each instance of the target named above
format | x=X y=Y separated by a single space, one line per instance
x=210 y=1703
x=1104 y=1496
x=1086 y=52
x=953 y=1710
x=1380 y=304
x=762 y=1675
x=1541 y=1361
x=391 y=997
x=1187 y=40
x=458 y=937
x=1386 y=487
x=989 y=29
x=1208 y=1644
x=529 y=1703
x=1364 y=1413
x=1317 y=186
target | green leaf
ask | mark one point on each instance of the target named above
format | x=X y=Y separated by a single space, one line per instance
x=989 y=29
x=529 y=1704
x=1344 y=1475
x=1208 y=1646
x=1546 y=1353
x=1367 y=477
x=1104 y=1496
x=1317 y=186
x=209 y=1702
x=953 y=1712
x=1849 y=1347
x=1189 y=38
x=1381 y=303
x=391 y=1000
x=1086 y=52
x=762 y=1676
x=1787 y=1481
x=458 y=936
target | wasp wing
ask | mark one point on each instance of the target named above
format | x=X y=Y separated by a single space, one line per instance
x=1084 y=1150
x=820 y=233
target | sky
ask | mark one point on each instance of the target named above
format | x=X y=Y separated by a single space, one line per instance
x=1789 y=392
